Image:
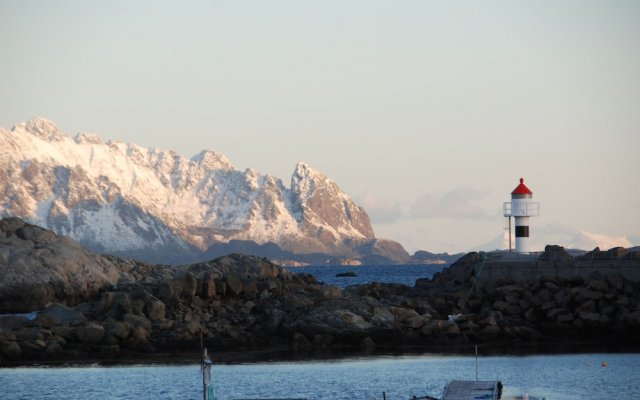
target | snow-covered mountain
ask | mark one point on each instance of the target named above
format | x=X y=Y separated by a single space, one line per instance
x=588 y=241
x=579 y=240
x=153 y=204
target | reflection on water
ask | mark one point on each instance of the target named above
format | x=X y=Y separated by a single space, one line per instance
x=553 y=376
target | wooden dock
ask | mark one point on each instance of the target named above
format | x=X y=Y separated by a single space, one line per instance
x=473 y=390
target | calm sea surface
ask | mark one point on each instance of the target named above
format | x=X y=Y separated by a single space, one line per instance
x=562 y=376
x=553 y=376
x=405 y=274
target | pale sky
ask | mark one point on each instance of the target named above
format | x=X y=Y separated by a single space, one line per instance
x=426 y=112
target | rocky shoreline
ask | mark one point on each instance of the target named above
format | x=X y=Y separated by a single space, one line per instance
x=107 y=309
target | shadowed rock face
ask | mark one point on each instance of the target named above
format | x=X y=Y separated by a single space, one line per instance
x=39 y=267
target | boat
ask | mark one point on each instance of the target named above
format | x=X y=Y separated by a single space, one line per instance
x=476 y=390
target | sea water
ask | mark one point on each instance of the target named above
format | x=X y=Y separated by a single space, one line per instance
x=561 y=377
x=404 y=274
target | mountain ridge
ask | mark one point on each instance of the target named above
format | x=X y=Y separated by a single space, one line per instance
x=156 y=205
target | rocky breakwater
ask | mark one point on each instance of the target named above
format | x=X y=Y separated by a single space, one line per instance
x=549 y=307
x=61 y=302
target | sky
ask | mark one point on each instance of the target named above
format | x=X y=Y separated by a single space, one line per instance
x=426 y=112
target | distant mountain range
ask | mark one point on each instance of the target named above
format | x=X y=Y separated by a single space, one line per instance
x=578 y=240
x=155 y=205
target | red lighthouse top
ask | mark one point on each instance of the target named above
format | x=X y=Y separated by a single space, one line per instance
x=521 y=189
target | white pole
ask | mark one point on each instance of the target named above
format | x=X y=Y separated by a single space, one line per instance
x=476 y=363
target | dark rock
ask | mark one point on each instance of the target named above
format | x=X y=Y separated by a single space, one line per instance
x=453 y=330
x=60 y=315
x=221 y=286
x=367 y=344
x=250 y=287
x=11 y=350
x=234 y=284
x=154 y=308
x=300 y=342
x=556 y=255
x=13 y=322
x=189 y=284
x=91 y=333
x=66 y=332
x=332 y=292
x=489 y=332
x=54 y=350
x=208 y=285
x=322 y=342
x=590 y=317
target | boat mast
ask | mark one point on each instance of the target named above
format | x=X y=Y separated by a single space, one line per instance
x=203 y=356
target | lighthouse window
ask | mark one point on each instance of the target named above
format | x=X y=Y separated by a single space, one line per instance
x=522 y=231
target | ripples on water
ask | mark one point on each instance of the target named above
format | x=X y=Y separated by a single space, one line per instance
x=561 y=377
x=405 y=274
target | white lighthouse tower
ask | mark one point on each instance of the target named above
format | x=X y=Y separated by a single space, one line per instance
x=521 y=208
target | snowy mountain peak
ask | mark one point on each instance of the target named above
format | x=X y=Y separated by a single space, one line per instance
x=588 y=241
x=40 y=127
x=305 y=180
x=210 y=159
x=577 y=240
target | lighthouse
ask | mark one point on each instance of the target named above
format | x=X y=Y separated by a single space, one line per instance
x=521 y=208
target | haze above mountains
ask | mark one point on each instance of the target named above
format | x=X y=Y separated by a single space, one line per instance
x=158 y=206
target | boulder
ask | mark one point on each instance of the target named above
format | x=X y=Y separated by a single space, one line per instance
x=53 y=350
x=250 y=287
x=45 y=268
x=59 y=315
x=383 y=317
x=119 y=330
x=367 y=344
x=91 y=333
x=555 y=255
x=189 y=284
x=332 y=292
x=234 y=284
x=105 y=303
x=300 y=342
x=137 y=320
x=221 y=286
x=453 y=330
x=429 y=328
x=208 y=285
x=345 y=320
x=154 y=308
x=322 y=342
x=403 y=314
x=590 y=317
x=415 y=322
x=66 y=332
x=11 y=350
x=489 y=332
